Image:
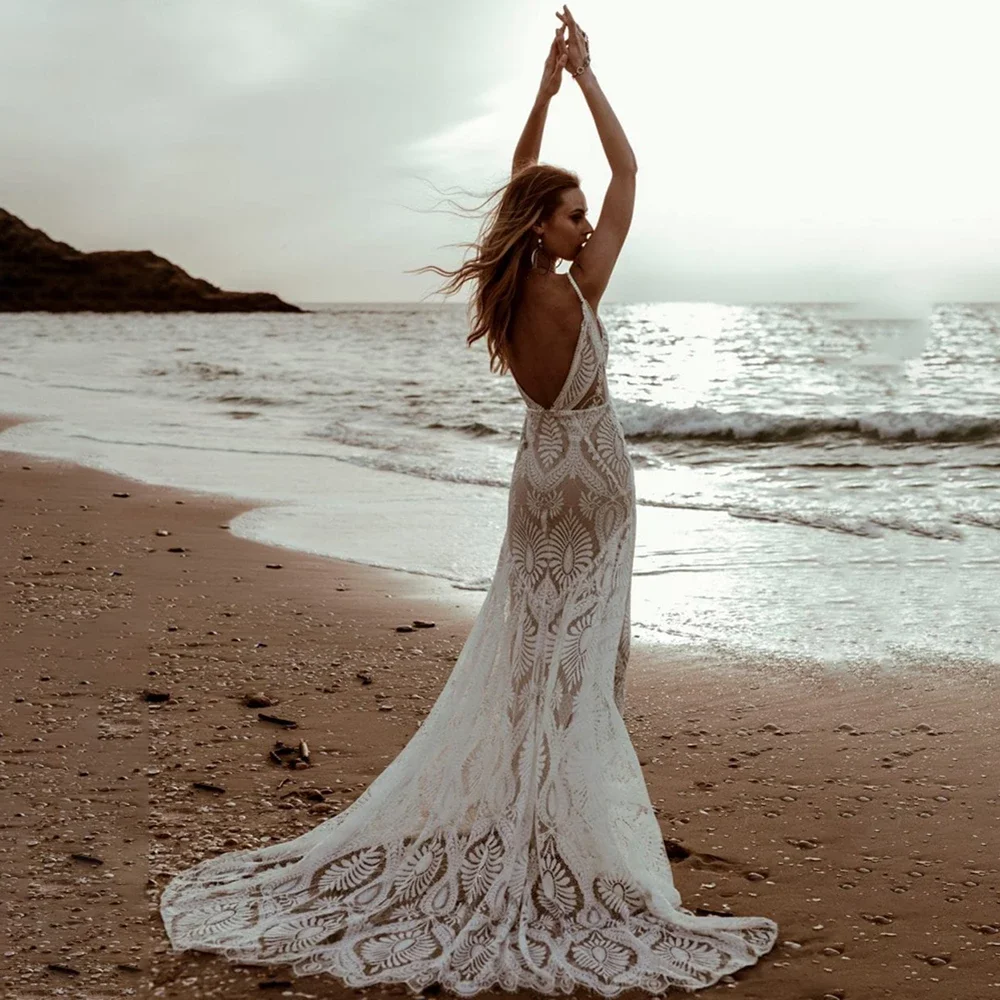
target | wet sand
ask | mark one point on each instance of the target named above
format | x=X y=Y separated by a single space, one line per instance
x=859 y=811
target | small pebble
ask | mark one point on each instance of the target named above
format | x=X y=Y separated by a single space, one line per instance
x=257 y=700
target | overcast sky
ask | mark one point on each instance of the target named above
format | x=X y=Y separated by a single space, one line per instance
x=786 y=150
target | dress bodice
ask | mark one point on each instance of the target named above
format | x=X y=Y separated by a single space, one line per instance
x=586 y=383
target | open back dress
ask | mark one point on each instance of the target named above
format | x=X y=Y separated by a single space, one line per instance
x=512 y=841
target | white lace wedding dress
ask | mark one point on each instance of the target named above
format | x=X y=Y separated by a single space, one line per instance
x=512 y=842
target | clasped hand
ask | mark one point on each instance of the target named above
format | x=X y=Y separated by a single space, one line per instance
x=565 y=52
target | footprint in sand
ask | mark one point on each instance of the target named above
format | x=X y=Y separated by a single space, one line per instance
x=705 y=861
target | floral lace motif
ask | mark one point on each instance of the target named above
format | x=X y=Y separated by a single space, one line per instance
x=512 y=842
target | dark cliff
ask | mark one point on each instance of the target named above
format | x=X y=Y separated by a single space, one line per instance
x=39 y=274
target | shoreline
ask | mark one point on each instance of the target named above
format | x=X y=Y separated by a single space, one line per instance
x=743 y=587
x=746 y=766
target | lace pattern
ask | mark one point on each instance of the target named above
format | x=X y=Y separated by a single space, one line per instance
x=512 y=842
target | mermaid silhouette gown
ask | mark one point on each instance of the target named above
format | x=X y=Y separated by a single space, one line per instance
x=512 y=841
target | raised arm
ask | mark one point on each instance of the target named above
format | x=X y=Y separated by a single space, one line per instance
x=530 y=143
x=596 y=260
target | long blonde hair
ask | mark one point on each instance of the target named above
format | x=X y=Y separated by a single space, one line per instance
x=502 y=254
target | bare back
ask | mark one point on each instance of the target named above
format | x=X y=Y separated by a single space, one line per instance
x=546 y=324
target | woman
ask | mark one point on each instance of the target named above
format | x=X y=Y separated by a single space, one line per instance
x=512 y=842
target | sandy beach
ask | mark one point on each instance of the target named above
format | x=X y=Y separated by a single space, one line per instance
x=857 y=810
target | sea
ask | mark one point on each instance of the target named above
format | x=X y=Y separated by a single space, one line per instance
x=816 y=482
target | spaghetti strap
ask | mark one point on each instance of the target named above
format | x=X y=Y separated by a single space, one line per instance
x=588 y=309
x=597 y=335
x=576 y=288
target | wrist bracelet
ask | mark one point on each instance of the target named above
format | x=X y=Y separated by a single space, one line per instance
x=583 y=66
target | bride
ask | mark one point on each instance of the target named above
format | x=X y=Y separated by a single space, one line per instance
x=512 y=842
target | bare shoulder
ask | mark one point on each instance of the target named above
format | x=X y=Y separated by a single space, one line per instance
x=552 y=306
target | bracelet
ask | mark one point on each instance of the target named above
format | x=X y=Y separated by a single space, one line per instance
x=583 y=66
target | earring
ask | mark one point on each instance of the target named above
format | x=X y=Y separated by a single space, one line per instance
x=534 y=258
x=534 y=253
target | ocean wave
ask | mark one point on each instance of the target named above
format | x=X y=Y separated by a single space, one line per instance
x=474 y=428
x=644 y=422
x=205 y=371
x=250 y=400
x=979 y=519
x=382 y=463
x=943 y=527
x=843 y=522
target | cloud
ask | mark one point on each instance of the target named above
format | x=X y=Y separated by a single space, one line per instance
x=253 y=143
x=784 y=149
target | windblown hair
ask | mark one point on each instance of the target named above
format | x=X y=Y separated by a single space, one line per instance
x=502 y=254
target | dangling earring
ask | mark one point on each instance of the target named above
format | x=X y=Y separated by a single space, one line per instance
x=534 y=258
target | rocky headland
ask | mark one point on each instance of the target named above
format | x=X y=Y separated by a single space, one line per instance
x=39 y=274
